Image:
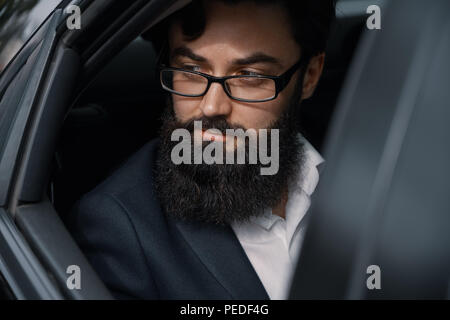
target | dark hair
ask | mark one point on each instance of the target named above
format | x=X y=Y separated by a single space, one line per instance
x=310 y=20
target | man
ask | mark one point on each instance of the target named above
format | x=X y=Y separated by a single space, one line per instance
x=161 y=228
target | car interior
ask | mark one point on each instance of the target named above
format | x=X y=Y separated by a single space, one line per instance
x=119 y=111
x=94 y=93
x=383 y=200
x=93 y=101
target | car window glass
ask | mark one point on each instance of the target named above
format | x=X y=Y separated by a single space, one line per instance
x=10 y=100
x=18 y=20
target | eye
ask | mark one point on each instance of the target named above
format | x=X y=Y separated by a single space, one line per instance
x=191 y=67
x=249 y=81
x=249 y=73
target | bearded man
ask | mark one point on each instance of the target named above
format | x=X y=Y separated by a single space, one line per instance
x=159 y=228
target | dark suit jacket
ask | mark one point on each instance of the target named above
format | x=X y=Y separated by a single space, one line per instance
x=141 y=253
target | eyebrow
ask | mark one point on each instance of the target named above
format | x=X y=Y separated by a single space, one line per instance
x=257 y=57
x=186 y=52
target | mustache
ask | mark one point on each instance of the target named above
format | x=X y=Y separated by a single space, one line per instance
x=221 y=124
x=218 y=123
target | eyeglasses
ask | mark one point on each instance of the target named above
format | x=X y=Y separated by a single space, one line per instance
x=245 y=88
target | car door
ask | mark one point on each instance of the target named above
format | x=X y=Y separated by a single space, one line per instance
x=40 y=75
x=20 y=267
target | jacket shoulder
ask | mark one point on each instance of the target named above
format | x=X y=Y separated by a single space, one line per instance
x=105 y=224
x=135 y=172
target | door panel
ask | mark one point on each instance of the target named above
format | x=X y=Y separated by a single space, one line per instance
x=20 y=267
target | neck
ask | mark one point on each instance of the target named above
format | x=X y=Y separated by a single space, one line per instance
x=280 y=208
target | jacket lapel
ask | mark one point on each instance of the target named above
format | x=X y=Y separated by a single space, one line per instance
x=220 y=251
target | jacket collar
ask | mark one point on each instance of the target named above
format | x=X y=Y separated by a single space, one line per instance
x=220 y=251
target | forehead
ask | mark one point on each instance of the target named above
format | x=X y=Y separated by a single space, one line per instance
x=240 y=30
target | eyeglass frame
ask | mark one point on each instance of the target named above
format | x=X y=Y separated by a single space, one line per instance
x=281 y=81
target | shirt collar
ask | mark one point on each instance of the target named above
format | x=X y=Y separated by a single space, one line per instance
x=309 y=173
x=299 y=192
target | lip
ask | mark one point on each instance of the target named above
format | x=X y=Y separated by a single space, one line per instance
x=207 y=136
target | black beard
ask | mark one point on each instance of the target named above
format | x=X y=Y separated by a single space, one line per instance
x=224 y=193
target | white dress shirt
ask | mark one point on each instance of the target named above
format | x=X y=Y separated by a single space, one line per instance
x=272 y=243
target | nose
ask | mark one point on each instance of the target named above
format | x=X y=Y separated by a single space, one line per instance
x=216 y=102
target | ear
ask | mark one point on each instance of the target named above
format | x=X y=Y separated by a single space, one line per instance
x=312 y=75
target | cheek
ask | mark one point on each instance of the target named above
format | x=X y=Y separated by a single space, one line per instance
x=185 y=108
x=258 y=116
x=249 y=116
